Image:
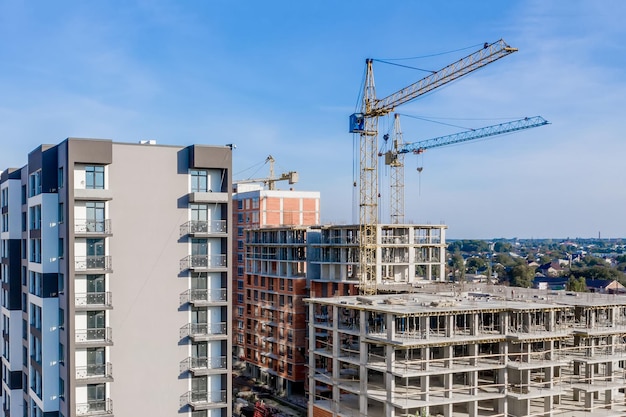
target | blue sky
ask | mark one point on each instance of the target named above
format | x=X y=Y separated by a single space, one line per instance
x=282 y=77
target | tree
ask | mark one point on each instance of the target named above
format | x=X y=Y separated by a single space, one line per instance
x=502 y=247
x=474 y=264
x=576 y=284
x=521 y=275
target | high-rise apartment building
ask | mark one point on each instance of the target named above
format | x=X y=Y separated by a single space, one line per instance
x=116 y=281
x=257 y=208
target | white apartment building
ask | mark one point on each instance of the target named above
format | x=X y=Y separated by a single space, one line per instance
x=447 y=351
x=116 y=281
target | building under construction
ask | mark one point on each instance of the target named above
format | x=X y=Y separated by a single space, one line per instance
x=447 y=351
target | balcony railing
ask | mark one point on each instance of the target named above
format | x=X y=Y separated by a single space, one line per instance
x=203 y=398
x=85 y=263
x=203 y=296
x=207 y=227
x=203 y=329
x=95 y=408
x=92 y=226
x=94 y=299
x=94 y=335
x=203 y=262
x=203 y=364
x=94 y=371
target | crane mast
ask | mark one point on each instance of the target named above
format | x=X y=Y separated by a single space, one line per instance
x=395 y=157
x=365 y=123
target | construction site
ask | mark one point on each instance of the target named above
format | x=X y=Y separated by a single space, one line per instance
x=486 y=351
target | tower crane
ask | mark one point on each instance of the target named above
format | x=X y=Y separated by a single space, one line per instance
x=395 y=157
x=365 y=123
x=291 y=176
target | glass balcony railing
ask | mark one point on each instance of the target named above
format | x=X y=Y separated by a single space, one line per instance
x=95 y=408
x=203 y=262
x=203 y=296
x=103 y=335
x=198 y=227
x=92 y=226
x=203 y=364
x=93 y=299
x=99 y=263
x=94 y=371
x=199 y=398
x=203 y=329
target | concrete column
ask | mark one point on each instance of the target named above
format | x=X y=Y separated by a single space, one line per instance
x=547 y=406
x=390 y=381
x=448 y=377
x=425 y=327
x=425 y=380
x=609 y=394
x=362 y=369
x=449 y=320
x=474 y=323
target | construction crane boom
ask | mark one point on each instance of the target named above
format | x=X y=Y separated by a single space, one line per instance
x=291 y=176
x=365 y=123
x=394 y=157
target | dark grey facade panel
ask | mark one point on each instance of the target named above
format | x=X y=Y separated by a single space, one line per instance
x=10 y=174
x=15 y=380
x=35 y=158
x=50 y=285
x=210 y=156
x=49 y=168
x=15 y=275
x=89 y=151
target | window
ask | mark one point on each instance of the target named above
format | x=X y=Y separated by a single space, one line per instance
x=35 y=316
x=61 y=279
x=36 y=283
x=240 y=284
x=62 y=388
x=239 y=311
x=24 y=221
x=60 y=179
x=240 y=298
x=35 y=250
x=23 y=194
x=4 y=197
x=5 y=222
x=94 y=177
x=35 y=217
x=240 y=271
x=34 y=184
x=61 y=248
x=61 y=318
x=199 y=181
x=240 y=231
x=61 y=213
x=240 y=204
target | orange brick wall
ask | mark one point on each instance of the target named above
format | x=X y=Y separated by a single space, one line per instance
x=320 y=412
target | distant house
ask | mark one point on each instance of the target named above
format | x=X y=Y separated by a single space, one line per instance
x=602 y=286
x=550 y=269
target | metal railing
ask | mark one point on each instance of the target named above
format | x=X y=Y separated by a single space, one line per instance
x=104 y=370
x=195 y=397
x=95 y=407
x=218 y=362
x=95 y=299
x=197 y=226
x=103 y=334
x=203 y=329
x=84 y=263
x=209 y=296
x=203 y=262
x=92 y=226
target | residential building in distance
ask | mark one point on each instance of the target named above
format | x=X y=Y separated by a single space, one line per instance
x=270 y=283
x=116 y=281
x=443 y=350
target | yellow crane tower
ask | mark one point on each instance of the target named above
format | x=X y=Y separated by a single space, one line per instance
x=365 y=124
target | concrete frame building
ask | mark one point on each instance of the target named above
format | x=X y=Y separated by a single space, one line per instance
x=405 y=254
x=494 y=351
x=116 y=281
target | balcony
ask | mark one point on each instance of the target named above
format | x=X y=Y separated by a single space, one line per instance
x=94 y=337
x=204 y=366
x=199 y=332
x=93 y=374
x=95 y=408
x=92 y=263
x=92 y=227
x=202 y=228
x=93 y=301
x=203 y=262
x=203 y=400
x=200 y=298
